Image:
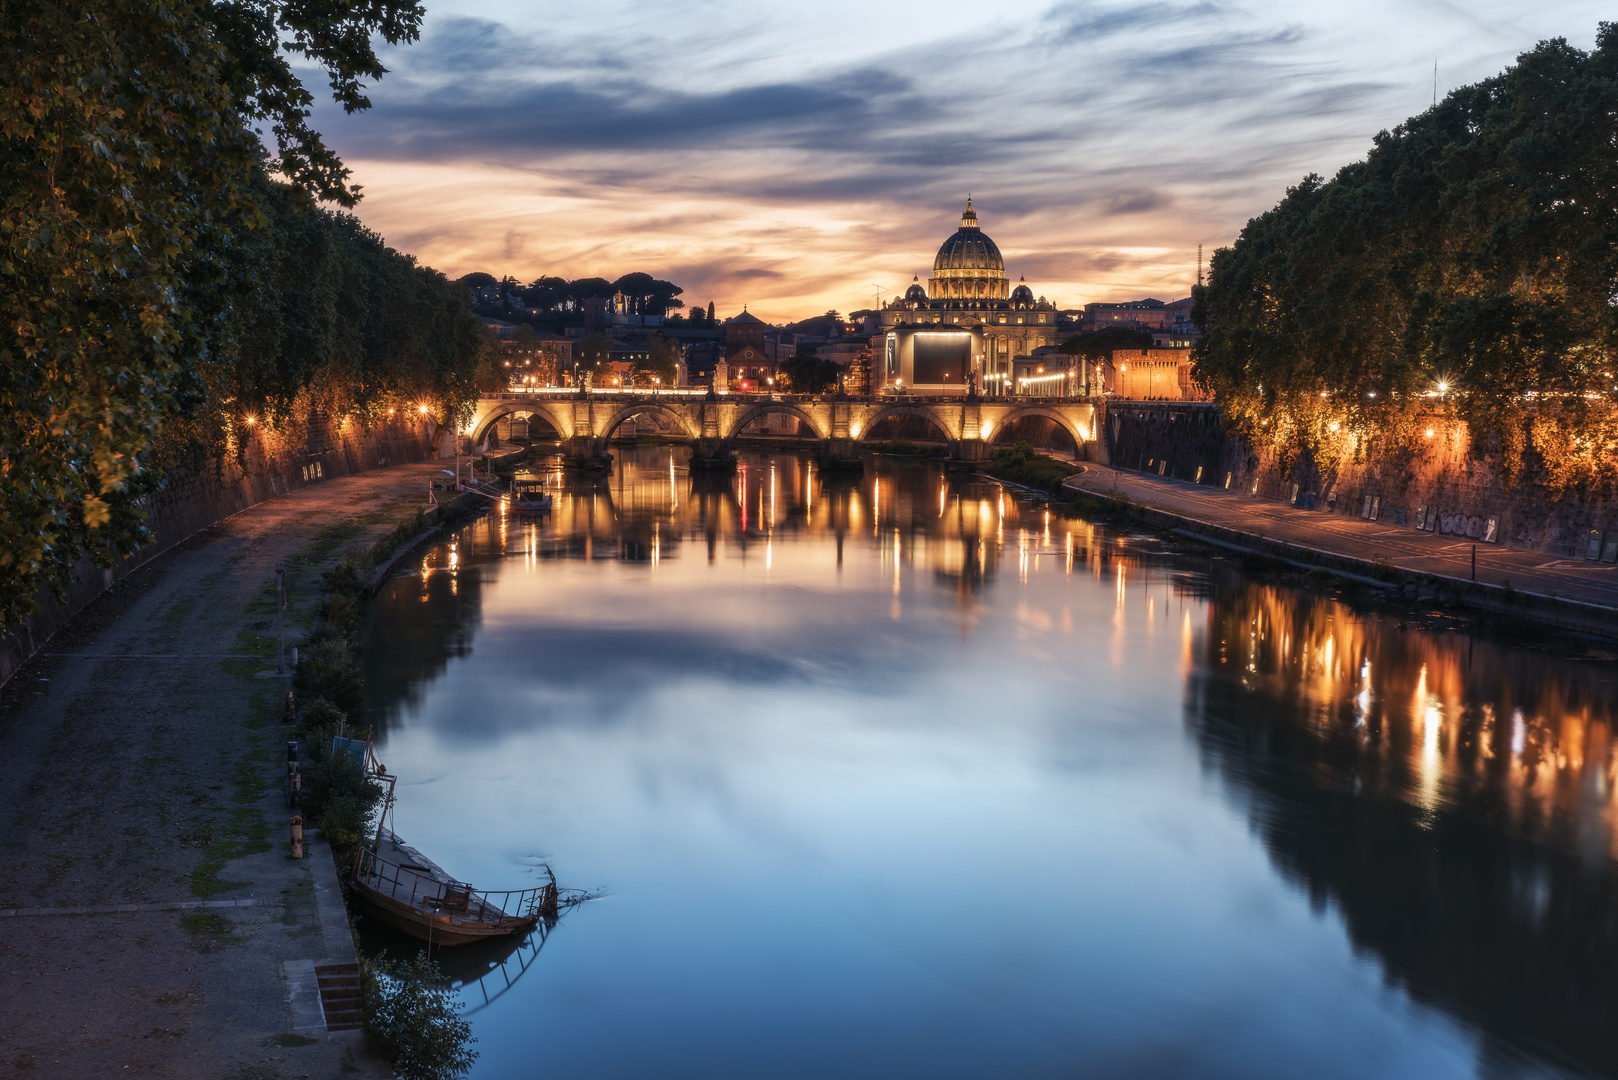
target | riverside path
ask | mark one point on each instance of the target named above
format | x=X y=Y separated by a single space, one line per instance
x=1273 y=527
x=149 y=914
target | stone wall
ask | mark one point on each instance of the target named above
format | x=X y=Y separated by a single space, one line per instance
x=1435 y=476
x=196 y=498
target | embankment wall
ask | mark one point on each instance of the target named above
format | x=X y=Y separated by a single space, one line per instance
x=1461 y=496
x=195 y=498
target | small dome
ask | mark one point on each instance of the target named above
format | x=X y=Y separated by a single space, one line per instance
x=1022 y=294
x=916 y=293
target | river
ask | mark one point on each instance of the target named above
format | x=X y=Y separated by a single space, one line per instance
x=901 y=775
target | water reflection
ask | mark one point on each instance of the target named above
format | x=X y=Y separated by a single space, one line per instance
x=828 y=708
x=1449 y=798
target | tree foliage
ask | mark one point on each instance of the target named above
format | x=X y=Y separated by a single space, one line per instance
x=165 y=276
x=411 y=1020
x=1103 y=343
x=806 y=373
x=1469 y=262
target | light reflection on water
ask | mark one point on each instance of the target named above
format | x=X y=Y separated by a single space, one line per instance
x=900 y=776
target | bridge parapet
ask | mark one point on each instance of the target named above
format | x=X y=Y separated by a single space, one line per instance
x=715 y=421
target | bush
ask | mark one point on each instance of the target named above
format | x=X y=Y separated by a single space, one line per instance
x=319 y=722
x=410 y=1020
x=1022 y=464
x=338 y=799
x=327 y=671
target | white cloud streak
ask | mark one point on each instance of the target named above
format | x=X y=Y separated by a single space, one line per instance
x=791 y=157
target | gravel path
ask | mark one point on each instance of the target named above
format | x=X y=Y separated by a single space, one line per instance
x=142 y=762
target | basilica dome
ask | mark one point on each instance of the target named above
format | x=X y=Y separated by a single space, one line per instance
x=969 y=248
x=969 y=265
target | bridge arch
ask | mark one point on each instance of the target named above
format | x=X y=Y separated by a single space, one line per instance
x=682 y=422
x=926 y=413
x=762 y=408
x=1078 y=434
x=484 y=422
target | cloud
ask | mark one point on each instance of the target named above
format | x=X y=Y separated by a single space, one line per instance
x=792 y=158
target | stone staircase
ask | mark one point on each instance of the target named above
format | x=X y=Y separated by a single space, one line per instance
x=341 y=997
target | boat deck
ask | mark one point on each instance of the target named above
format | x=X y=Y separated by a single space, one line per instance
x=407 y=889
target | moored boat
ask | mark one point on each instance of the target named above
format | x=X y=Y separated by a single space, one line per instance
x=405 y=889
x=529 y=495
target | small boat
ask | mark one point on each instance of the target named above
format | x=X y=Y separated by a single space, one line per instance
x=529 y=496
x=405 y=889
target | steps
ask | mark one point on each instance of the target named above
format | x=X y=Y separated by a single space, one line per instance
x=341 y=997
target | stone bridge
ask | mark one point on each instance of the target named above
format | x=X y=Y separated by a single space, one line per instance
x=712 y=422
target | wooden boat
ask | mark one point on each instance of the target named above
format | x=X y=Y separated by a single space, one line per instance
x=405 y=889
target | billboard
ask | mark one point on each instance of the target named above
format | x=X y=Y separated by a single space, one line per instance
x=941 y=358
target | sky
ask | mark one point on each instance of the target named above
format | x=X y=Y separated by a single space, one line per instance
x=799 y=158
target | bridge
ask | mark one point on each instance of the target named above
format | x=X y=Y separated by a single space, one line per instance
x=713 y=422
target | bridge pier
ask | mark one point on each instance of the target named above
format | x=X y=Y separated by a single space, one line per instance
x=712 y=453
x=840 y=452
x=970 y=450
x=588 y=452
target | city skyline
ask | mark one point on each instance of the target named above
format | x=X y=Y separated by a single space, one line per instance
x=1102 y=143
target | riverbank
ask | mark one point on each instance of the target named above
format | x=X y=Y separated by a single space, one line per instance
x=144 y=747
x=1566 y=594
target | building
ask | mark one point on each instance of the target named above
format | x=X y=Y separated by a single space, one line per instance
x=969 y=325
x=1148 y=314
x=1151 y=375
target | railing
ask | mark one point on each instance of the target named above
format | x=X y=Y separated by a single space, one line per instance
x=453 y=897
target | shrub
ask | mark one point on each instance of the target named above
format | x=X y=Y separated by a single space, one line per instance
x=338 y=799
x=410 y=1020
x=1022 y=464
x=327 y=671
x=319 y=721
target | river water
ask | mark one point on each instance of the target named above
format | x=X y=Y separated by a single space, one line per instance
x=899 y=775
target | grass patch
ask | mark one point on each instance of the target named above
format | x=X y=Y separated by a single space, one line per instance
x=206 y=924
x=906 y=448
x=245 y=833
x=1021 y=464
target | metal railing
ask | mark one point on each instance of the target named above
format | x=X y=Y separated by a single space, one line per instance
x=454 y=898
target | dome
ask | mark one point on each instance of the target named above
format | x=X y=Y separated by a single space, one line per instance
x=969 y=249
x=916 y=293
x=1022 y=294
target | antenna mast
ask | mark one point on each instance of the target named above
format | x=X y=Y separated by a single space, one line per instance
x=880 y=289
x=1199 y=266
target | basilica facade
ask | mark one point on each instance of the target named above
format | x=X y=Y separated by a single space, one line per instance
x=968 y=325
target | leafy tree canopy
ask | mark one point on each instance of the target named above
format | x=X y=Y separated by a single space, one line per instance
x=152 y=255
x=1099 y=343
x=1469 y=262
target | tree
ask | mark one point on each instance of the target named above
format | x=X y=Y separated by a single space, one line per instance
x=412 y=1020
x=593 y=351
x=710 y=313
x=130 y=174
x=662 y=356
x=1470 y=261
x=1100 y=344
x=698 y=314
x=807 y=374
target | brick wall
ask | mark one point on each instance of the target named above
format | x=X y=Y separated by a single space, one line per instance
x=1177 y=439
x=196 y=498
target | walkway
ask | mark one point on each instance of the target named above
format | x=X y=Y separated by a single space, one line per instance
x=1348 y=537
x=142 y=770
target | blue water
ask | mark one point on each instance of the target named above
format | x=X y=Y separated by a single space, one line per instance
x=900 y=776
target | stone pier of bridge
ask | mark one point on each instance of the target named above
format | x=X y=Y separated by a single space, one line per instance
x=712 y=423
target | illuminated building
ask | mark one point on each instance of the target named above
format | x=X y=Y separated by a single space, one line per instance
x=968 y=321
